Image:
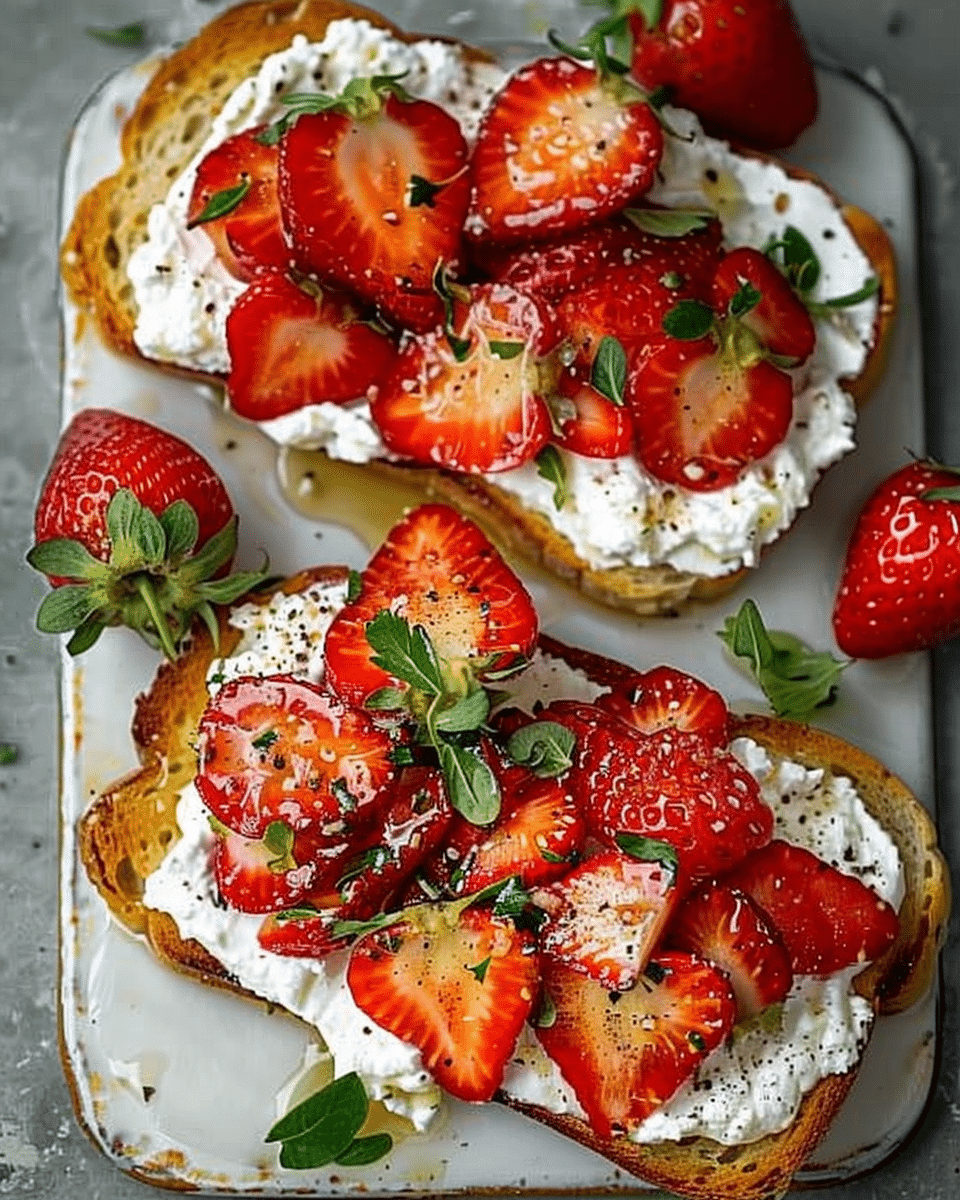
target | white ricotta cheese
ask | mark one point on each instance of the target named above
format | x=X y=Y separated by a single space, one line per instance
x=755 y=1082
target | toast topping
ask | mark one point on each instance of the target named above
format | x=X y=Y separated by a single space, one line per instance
x=578 y=920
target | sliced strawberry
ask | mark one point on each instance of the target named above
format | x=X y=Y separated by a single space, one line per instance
x=723 y=925
x=701 y=416
x=291 y=346
x=828 y=920
x=238 y=179
x=779 y=319
x=626 y=1053
x=261 y=875
x=537 y=837
x=665 y=698
x=374 y=194
x=556 y=266
x=587 y=422
x=371 y=871
x=669 y=786
x=471 y=399
x=459 y=988
x=438 y=570
x=561 y=146
x=279 y=749
x=606 y=916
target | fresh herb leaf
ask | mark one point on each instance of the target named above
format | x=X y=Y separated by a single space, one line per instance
x=468 y=713
x=551 y=467
x=795 y=679
x=265 y=740
x=821 y=308
x=609 y=371
x=479 y=971
x=471 y=785
x=321 y=1128
x=134 y=34
x=648 y=850
x=689 y=320
x=546 y=747
x=744 y=300
x=8 y=754
x=405 y=651
x=507 y=350
x=386 y=699
x=354 y=586
x=669 y=222
x=364 y=1150
x=423 y=192
x=221 y=203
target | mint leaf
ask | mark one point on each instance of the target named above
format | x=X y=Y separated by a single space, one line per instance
x=646 y=849
x=365 y=1150
x=544 y=746
x=405 y=652
x=668 y=222
x=746 y=298
x=551 y=467
x=795 y=679
x=609 y=371
x=689 y=320
x=466 y=714
x=221 y=203
x=322 y=1127
x=422 y=192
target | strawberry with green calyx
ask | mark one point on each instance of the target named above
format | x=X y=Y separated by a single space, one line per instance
x=899 y=589
x=133 y=527
x=562 y=146
x=456 y=980
x=710 y=397
x=795 y=679
x=374 y=188
x=743 y=68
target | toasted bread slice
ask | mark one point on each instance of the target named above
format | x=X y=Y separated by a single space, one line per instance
x=166 y=129
x=128 y=830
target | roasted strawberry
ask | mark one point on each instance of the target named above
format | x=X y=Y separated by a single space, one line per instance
x=537 y=837
x=722 y=925
x=670 y=786
x=554 y=267
x=140 y=529
x=292 y=345
x=665 y=698
x=235 y=201
x=261 y=875
x=900 y=586
x=626 y=1053
x=779 y=318
x=828 y=920
x=370 y=872
x=605 y=916
x=437 y=570
x=280 y=749
x=471 y=398
x=374 y=190
x=457 y=984
x=743 y=68
x=560 y=146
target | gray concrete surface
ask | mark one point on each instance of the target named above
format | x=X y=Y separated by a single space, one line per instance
x=48 y=66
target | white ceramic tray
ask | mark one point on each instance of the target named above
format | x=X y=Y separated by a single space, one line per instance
x=178 y=1084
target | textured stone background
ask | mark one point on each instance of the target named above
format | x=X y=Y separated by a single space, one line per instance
x=48 y=66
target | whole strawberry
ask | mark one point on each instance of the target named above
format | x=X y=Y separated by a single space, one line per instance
x=900 y=586
x=133 y=527
x=741 y=65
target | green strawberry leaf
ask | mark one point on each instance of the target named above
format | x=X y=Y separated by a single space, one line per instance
x=86 y=636
x=609 y=371
x=67 y=559
x=795 y=679
x=942 y=493
x=746 y=298
x=66 y=608
x=181 y=528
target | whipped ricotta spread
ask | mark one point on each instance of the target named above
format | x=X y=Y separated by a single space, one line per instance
x=748 y=1087
x=615 y=514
